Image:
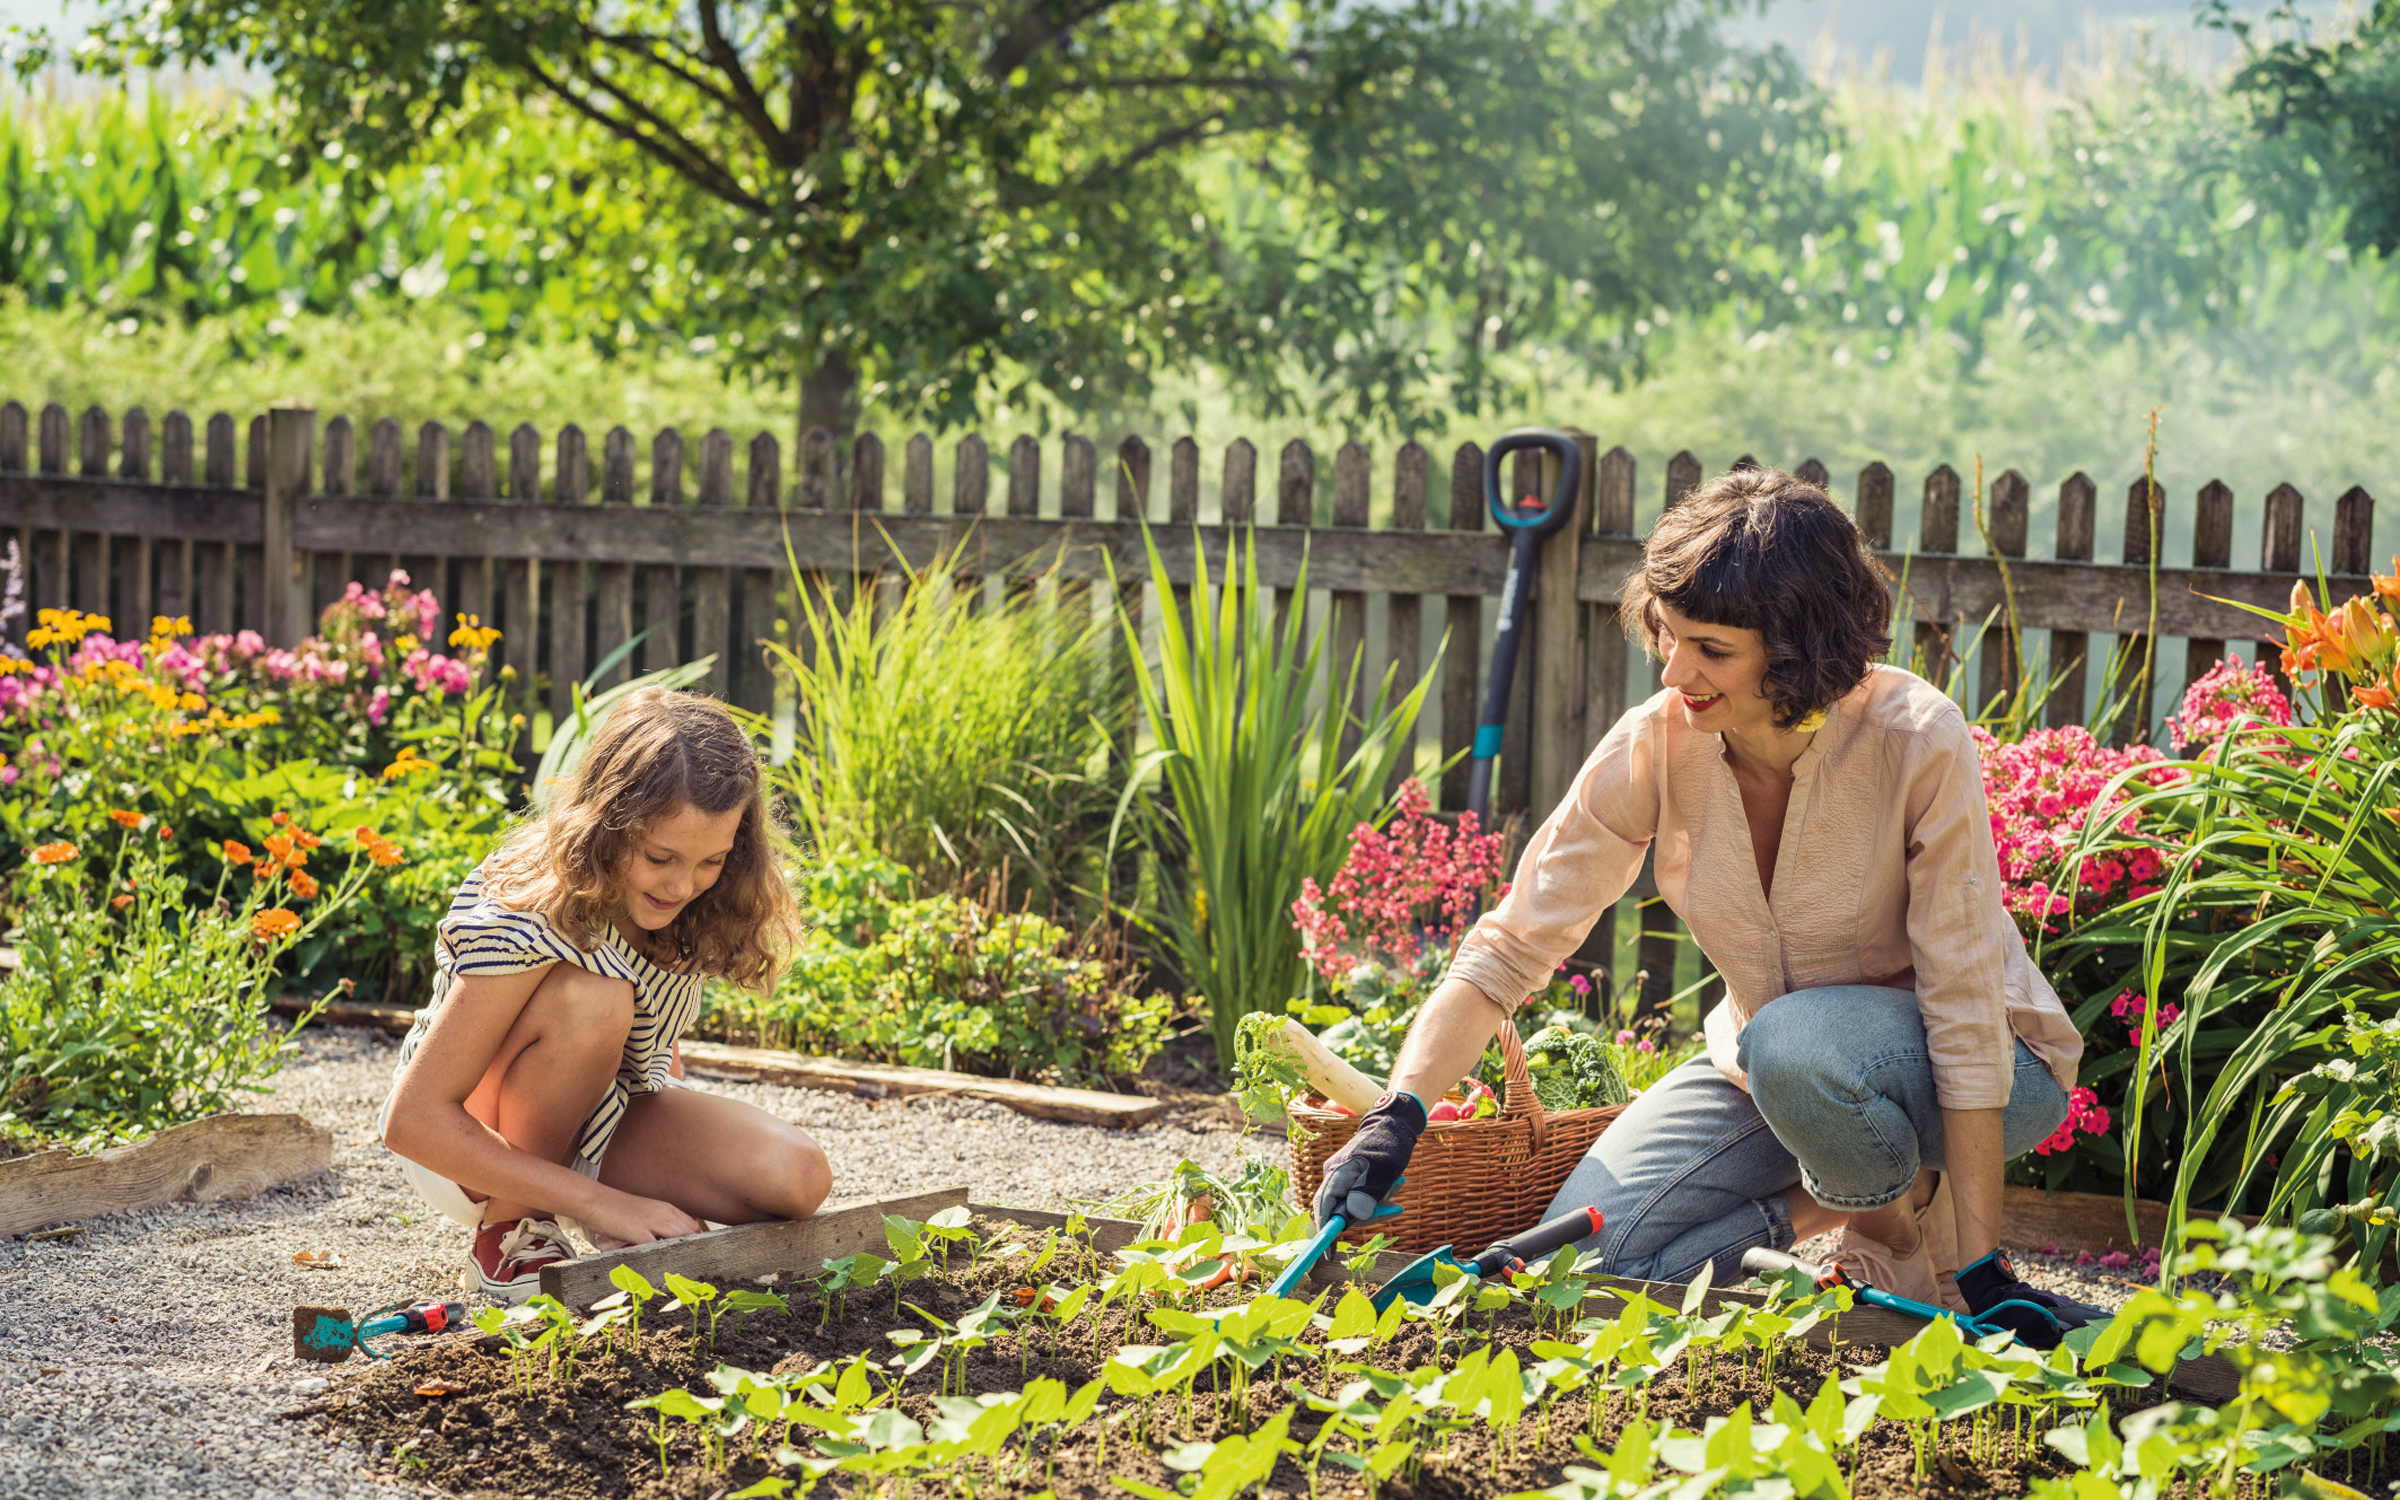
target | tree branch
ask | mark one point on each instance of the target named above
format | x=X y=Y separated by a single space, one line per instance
x=647 y=48
x=1039 y=24
x=1164 y=140
x=668 y=145
x=747 y=101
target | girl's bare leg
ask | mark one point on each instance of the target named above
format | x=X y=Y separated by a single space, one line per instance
x=716 y=1158
x=552 y=1070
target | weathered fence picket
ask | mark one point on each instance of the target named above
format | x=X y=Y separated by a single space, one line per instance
x=570 y=577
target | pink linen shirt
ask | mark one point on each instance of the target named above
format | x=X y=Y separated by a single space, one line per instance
x=1886 y=875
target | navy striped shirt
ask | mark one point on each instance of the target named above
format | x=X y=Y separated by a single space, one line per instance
x=480 y=937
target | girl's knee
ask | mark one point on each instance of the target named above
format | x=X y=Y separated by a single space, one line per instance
x=576 y=1004
x=806 y=1175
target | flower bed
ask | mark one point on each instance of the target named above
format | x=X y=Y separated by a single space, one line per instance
x=990 y=1358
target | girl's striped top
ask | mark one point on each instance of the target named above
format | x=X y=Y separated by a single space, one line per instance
x=479 y=937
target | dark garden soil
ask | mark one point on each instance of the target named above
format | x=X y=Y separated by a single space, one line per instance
x=487 y=1440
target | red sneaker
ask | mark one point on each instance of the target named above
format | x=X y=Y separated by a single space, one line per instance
x=509 y=1256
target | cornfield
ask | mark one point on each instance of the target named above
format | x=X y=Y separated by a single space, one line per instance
x=150 y=206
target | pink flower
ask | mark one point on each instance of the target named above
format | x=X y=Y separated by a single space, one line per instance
x=2227 y=692
x=1407 y=887
x=1625 y=1038
x=379 y=707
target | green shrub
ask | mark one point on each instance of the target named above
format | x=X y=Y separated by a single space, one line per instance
x=140 y=1002
x=958 y=739
x=947 y=981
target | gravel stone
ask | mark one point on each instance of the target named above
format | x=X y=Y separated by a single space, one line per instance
x=150 y=1355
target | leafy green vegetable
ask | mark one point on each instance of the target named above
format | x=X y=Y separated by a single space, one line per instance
x=1573 y=1071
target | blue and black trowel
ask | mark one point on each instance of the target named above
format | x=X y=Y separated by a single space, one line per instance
x=1415 y=1281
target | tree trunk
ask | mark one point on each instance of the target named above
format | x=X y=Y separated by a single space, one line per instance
x=828 y=399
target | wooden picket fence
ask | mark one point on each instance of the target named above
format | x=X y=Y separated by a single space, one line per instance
x=572 y=558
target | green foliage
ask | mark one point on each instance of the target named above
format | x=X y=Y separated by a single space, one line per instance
x=908 y=196
x=959 y=740
x=157 y=208
x=1572 y=1070
x=949 y=982
x=139 y=1003
x=2336 y=106
x=1255 y=781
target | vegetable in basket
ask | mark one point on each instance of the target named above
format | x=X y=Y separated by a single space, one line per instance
x=1572 y=1070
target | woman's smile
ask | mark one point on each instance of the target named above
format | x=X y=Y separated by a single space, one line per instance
x=1701 y=703
x=661 y=906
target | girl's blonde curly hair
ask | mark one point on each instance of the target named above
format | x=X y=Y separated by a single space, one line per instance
x=656 y=752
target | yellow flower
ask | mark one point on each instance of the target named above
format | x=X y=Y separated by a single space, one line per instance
x=162 y=628
x=406 y=764
x=473 y=634
x=405 y=644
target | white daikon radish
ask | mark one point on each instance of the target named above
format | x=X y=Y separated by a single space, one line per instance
x=1327 y=1073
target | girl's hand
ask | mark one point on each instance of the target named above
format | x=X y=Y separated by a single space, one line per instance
x=624 y=1219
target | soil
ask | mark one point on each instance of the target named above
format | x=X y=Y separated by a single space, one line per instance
x=486 y=1441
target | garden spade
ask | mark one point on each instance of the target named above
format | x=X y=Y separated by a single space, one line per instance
x=1315 y=1249
x=1526 y=523
x=330 y=1333
x=1415 y=1281
x=1760 y=1261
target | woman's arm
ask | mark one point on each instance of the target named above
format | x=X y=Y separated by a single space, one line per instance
x=428 y=1121
x=1446 y=1040
x=675 y=1058
x=1971 y=1147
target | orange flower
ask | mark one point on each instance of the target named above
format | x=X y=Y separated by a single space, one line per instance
x=303 y=886
x=385 y=853
x=365 y=835
x=279 y=845
x=280 y=819
x=165 y=834
x=2386 y=589
x=266 y=869
x=2378 y=695
x=273 y=923
x=236 y=854
x=295 y=859
x=123 y=818
x=304 y=838
x=54 y=853
x=121 y=902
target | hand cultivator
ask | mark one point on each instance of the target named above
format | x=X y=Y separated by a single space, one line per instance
x=1769 y=1263
x=329 y=1334
x=1415 y=1281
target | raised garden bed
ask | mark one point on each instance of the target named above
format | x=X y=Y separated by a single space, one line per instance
x=1085 y=1365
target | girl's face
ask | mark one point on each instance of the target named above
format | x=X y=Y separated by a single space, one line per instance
x=674 y=860
x=1720 y=671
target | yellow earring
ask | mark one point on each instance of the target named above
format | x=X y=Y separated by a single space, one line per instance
x=1811 y=724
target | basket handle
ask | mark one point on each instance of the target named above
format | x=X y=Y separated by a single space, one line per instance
x=1520 y=1098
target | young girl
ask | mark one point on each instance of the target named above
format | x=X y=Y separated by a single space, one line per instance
x=542 y=1081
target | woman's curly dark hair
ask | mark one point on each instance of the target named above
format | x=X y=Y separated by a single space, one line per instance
x=1758 y=549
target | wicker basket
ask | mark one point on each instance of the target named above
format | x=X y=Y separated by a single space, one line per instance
x=1471 y=1182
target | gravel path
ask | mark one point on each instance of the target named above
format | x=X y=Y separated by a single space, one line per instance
x=149 y=1355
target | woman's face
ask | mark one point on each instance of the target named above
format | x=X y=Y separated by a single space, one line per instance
x=1720 y=671
x=674 y=860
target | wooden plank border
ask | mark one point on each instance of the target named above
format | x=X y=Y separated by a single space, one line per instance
x=783 y=1248
x=214 y=1160
x=1069 y=1106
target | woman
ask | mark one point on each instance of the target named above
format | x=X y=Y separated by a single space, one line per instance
x=1818 y=819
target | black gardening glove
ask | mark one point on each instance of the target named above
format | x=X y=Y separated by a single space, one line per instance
x=1999 y=1299
x=1363 y=1172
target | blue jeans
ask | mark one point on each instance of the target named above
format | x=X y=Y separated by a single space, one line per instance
x=1841 y=1102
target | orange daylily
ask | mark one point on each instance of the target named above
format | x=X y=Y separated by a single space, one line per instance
x=2377 y=694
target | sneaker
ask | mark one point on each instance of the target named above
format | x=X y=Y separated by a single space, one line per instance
x=509 y=1257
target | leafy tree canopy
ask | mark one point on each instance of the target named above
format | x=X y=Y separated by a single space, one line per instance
x=936 y=204
x=2338 y=103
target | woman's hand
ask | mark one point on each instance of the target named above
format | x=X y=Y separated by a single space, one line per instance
x=621 y=1219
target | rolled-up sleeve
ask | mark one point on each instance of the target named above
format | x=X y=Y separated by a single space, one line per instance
x=1959 y=931
x=1576 y=866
